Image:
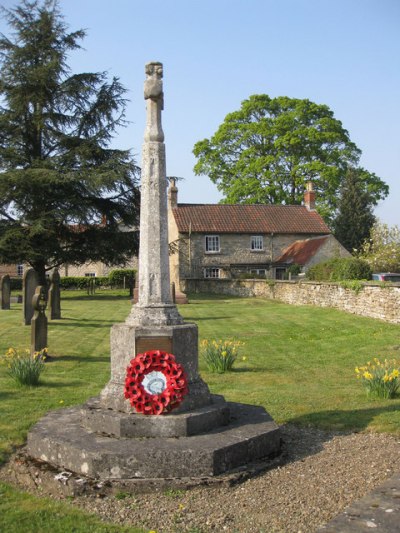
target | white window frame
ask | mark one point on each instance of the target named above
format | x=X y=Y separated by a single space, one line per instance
x=212 y=272
x=20 y=270
x=212 y=244
x=256 y=243
x=90 y=274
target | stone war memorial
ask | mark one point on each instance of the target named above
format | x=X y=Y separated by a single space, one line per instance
x=156 y=420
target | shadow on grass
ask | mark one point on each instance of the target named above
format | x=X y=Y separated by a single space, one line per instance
x=83 y=323
x=96 y=297
x=4 y=395
x=203 y=318
x=59 y=384
x=336 y=420
x=83 y=359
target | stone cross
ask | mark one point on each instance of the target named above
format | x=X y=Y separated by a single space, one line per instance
x=5 y=291
x=155 y=306
x=30 y=282
x=54 y=296
x=39 y=320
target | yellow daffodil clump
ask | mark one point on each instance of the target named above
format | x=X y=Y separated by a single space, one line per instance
x=380 y=378
x=220 y=355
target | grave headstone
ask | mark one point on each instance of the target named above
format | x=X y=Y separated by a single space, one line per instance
x=54 y=296
x=5 y=291
x=91 y=286
x=39 y=320
x=30 y=282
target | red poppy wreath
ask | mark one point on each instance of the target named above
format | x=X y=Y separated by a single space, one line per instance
x=155 y=383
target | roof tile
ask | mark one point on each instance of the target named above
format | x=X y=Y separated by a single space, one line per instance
x=300 y=252
x=242 y=218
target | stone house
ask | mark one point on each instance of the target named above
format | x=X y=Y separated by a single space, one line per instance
x=227 y=241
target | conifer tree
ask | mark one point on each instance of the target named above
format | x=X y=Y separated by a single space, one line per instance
x=355 y=218
x=64 y=193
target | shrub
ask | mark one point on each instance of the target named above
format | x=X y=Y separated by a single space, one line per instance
x=380 y=379
x=294 y=269
x=340 y=269
x=220 y=356
x=24 y=368
x=117 y=276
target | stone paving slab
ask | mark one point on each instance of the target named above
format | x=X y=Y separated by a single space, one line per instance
x=378 y=511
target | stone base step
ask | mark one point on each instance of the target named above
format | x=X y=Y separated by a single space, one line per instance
x=60 y=440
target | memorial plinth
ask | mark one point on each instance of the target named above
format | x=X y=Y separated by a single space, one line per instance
x=203 y=435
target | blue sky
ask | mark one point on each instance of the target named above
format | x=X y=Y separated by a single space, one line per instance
x=216 y=53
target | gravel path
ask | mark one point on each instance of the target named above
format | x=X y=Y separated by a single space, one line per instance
x=318 y=475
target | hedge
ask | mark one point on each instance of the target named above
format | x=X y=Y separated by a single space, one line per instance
x=118 y=276
x=82 y=282
x=340 y=269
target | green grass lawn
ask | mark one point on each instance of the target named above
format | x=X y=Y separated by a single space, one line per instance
x=300 y=367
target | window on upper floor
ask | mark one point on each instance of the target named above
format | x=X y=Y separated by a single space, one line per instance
x=256 y=243
x=212 y=243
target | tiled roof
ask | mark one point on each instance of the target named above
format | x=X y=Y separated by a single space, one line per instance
x=224 y=218
x=301 y=252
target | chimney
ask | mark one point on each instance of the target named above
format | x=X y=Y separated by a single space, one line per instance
x=309 y=196
x=172 y=194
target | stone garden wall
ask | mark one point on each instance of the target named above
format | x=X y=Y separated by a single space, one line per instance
x=375 y=301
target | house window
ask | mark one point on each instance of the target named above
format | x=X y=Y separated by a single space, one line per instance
x=212 y=272
x=280 y=273
x=259 y=272
x=90 y=274
x=256 y=242
x=20 y=270
x=212 y=243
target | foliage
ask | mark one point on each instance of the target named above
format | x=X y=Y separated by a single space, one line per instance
x=64 y=194
x=16 y=284
x=380 y=379
x=382 y=250
x=118 y=276
x=249 y=275
x=294 y=269
x=343 y=268
x=82 y=282
x=270 y=148
x=23 y=367
x=355 y=285
x=354 y=218
x=220 y=356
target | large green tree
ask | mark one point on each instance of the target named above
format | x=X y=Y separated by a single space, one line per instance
x=65 y=195
x=270 y=148
x=354 y=219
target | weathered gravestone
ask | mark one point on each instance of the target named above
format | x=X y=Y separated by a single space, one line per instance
x=5 y=291
x=30 y=282
x=39 y=320
x=204 y=436
x=54 y=296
